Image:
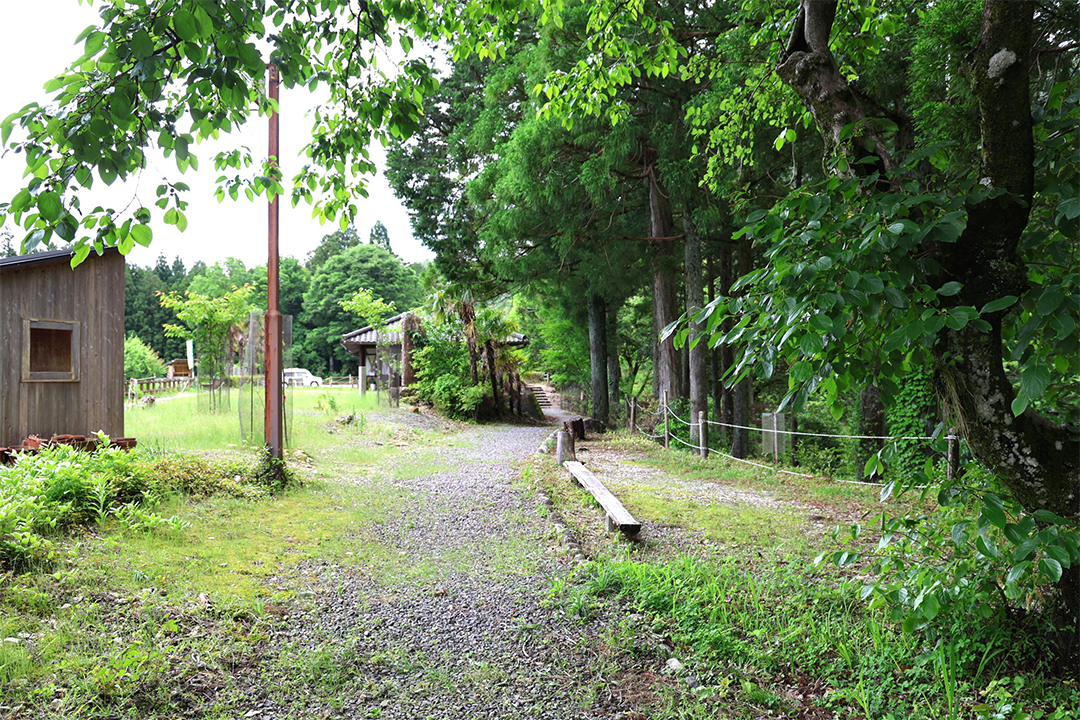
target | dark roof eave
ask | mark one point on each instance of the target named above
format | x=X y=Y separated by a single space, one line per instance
x=18 y=261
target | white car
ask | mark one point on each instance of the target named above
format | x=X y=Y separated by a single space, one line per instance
x=300 y=377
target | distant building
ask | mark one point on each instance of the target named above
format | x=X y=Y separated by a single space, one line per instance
x=177 y=369
x=363 y=343
x=61 y=345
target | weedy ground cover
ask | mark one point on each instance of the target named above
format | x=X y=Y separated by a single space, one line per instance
x=763 y=630
x=158 y=577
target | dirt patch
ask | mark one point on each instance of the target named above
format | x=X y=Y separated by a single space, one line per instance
x=622 y=467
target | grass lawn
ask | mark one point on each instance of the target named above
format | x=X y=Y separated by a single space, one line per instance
x=764 y=632
x=125 y=618
x=147 y=624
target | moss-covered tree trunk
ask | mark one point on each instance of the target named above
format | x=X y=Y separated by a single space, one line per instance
x=698 y=353
x=598 y=357
x=667 y=371
x=489 y=350
x=1037 y=459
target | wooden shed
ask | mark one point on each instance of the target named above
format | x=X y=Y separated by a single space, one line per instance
x=61 y=345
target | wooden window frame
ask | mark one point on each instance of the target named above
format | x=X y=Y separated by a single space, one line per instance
x=42 y=376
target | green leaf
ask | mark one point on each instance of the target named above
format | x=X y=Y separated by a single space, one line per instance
x=987 y=547
x=20 y=202
x=930 y=606
x=142 y=234
x=872 y=284
x=142 y=46
x=81 y=253
x=960 y=316
x=995 y=515
x=1059 y=553
x=94 y=42
x=821 y=322
x=1050 y=300
x=1034 y=381
x=1051 y=518
x=1017 y=571
x=1026 y=550
x=1070 y=208
x=999 y=304
x=107 y=172
x=895 y=339
x=801 y=371
x=50 y=206
x=949 y=288
x=811 y=344
x=895 y=297
x=184 y=24
x=1015 y=534
x=1051 y=568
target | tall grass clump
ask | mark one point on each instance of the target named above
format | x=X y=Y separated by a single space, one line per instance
x=762 y=629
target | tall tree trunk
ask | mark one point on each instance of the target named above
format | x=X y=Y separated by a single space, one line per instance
x=598 y=356
x=698 y=345
x=727 y=353
x=740 y=443
x=1038 y=460
x=410 y=325
x=667 y=374
x=716 y=385
x=740 y=446
x=614 y=373
x=474 y=362
x=871 y=423
x=489 y=348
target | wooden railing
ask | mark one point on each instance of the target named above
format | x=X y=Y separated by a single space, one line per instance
x=340 y=381
x=151 y=385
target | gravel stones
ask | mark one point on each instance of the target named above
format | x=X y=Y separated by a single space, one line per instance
x=462 y=628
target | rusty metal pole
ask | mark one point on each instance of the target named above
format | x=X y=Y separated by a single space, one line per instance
x=273 y=415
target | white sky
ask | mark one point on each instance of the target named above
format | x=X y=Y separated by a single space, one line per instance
x=36 y=43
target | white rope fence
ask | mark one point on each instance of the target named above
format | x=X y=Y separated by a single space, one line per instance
x=807 y=434
x=667 y=435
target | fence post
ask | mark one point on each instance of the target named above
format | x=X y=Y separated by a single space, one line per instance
x=633 y=414
x=704 y=434
x=776 y=440
x=952 y=457
x=794 y=440
x=667 y=428
x=562 y=447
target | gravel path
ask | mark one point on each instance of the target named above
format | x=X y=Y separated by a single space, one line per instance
x=471 y=638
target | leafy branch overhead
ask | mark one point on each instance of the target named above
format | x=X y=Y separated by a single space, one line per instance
x=159 y=78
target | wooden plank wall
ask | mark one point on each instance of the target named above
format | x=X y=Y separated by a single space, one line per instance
x=93 y=296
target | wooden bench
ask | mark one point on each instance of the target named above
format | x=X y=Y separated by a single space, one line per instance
x=617 y=516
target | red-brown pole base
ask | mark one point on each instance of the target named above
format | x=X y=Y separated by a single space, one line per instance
x=274 y=427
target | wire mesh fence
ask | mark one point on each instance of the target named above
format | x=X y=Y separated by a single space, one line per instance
x=249 y=376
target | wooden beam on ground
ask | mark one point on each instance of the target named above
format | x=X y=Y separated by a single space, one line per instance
x=618 y=516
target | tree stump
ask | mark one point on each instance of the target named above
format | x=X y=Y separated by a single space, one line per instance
x=576 y=428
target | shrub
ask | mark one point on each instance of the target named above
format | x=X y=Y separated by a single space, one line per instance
x=140 y=360
x=978 y=556
x=442 y=369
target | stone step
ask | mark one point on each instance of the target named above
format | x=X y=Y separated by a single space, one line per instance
x=541 y=395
